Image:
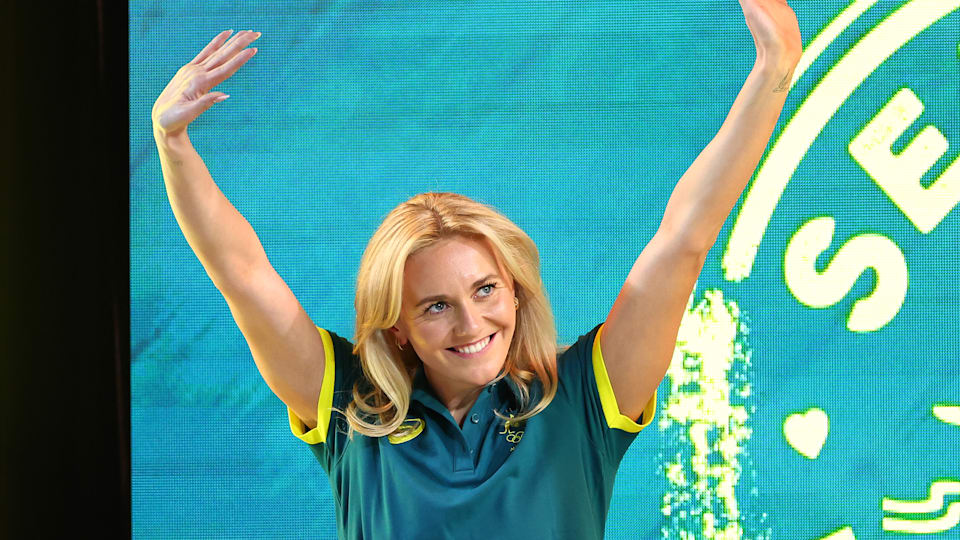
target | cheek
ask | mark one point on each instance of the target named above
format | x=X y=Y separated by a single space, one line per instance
x=429 y=333
x=508 y=320
x=505 y=313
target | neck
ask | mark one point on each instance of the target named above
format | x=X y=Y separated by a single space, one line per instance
x=457 y=400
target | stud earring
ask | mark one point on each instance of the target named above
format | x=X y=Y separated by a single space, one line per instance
x=516 y=303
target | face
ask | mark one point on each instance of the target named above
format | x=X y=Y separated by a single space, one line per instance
x=457 y=313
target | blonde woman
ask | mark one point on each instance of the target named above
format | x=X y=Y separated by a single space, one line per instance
x=452 y=414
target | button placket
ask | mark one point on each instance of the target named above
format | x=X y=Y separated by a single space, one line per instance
x=473 y=434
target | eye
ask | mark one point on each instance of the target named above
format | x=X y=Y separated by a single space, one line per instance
x=487 y=289
x=436 y=307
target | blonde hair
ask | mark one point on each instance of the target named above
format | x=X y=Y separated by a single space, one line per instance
x=414 y=225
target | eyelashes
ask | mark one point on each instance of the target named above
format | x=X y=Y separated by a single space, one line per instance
x=431 y=311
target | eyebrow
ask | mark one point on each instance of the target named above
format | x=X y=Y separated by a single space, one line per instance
x=477 y=283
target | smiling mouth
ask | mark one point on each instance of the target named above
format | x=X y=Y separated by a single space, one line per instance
x=474 y=348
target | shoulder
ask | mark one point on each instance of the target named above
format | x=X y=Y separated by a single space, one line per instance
x=575 y=361
x=346 y=363
x=579 y=349
x=341 y=370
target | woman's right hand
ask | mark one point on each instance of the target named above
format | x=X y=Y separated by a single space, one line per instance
x=188 y=94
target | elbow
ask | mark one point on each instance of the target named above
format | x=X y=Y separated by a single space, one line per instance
x=691 y=245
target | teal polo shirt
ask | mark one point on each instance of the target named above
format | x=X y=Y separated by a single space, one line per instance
x=550 y=477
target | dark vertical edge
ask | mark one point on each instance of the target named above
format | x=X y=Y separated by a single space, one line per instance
x=114 y=70
x=64 y=295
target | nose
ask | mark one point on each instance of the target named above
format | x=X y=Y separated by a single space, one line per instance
x=468 y=321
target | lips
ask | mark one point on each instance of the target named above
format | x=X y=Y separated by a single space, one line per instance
x=473 y=348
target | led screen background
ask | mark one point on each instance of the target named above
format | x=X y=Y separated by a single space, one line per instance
x=815 y=389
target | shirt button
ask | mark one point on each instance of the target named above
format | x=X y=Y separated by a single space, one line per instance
x=475 y=418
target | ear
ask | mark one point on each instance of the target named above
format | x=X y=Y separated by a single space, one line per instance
x=398 y=334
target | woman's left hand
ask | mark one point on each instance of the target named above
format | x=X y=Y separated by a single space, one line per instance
x=775 y=30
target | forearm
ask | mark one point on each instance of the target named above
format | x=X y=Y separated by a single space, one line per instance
x=221 y=238
x=706 y=193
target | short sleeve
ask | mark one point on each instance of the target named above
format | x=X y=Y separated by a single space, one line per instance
x=584 y=380
x=340 y=371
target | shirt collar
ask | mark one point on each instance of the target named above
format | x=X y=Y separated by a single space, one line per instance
x=505 y=389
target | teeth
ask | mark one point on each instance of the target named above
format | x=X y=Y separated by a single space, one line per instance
x=476 y=347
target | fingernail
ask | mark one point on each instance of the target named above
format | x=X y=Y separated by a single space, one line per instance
x=221 y=98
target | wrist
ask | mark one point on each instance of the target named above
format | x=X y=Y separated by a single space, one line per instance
x=170 y=139
x=777 y=59
x=776 y=71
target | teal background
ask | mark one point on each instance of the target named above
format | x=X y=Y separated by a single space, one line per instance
x=575 y=119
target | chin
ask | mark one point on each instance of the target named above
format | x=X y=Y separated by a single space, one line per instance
x=481 y=375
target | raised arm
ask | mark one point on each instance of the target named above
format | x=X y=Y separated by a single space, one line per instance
x=640 y=333
x=285 y=344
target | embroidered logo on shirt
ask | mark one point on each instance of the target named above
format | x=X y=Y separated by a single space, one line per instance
x=512 y=434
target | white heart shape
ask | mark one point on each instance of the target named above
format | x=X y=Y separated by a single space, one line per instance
x=807 y=432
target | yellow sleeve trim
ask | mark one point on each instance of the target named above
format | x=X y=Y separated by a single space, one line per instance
x=319 y=433
x=611 y=411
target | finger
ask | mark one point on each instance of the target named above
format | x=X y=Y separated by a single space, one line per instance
x=199 y=106
x=228 y=50
x=239 y=35
x=211 y=47
x=225 y=71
